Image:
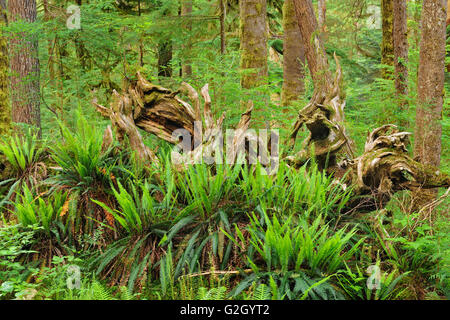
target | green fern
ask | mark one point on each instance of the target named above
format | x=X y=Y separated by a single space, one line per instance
x=212 y=294
x=262 y=292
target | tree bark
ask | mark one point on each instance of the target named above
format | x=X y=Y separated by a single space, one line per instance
x=387 y=45
x=159 y=111
x=314 y=50
x=50 y=44
x=322 y=9
x=24 y=66
x=5 y=111
x=223 y=15
x=186 y=10
x=165 y=58
x=448 y=12
x=401 y=50
x=431 y=82
x=293 y=57
x=427 y=147
x=253 y=33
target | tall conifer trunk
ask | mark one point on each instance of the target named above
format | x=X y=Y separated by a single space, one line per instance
x=24 y=66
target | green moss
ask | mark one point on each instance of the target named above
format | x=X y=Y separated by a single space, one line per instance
x=5 y=111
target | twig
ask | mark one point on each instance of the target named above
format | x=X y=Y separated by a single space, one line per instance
x=216 y=272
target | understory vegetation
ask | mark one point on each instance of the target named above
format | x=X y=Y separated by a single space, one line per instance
x=83 y=220
x=155 y=233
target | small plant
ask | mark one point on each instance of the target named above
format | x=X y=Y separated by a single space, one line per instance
x=355 y=285
x=139 y=211
x=15 y=241
x=23 y=152
x=31 y=209
x=83 y=165
x=205 y=190
x=212 y=294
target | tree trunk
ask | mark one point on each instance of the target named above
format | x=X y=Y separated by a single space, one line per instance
x=80 y=49
x=387 y=45
x=253 y=32
x=427 y=148
x=24 y=66
x=401 y=50
x=448 y=12
x=223 y=15
x=50 y=44
x=5 y=111
x=165 y=59
x=186 y=10
x=315 y=53
x=322 y=8
x=293 y=57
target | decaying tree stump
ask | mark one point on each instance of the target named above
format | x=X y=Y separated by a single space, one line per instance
x=159 y=111
x=384 y=167
x=324 y=118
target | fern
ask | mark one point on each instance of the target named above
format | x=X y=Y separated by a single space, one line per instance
x=262 y=292
x=212 y=294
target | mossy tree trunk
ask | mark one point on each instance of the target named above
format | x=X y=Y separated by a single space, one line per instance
x=223 y=15
x=5 y=111
x=24 y=66
x=314 y=50
x=387 y=44
x=186 y=11
x=253 y=34
x=293 y=57
x=165 y=58
x=401 y=51
x=430 y=89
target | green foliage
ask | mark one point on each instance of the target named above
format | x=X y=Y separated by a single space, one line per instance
x=22 y=152
x=15 y=241
x=205 y=190
x=306 y=190
x=354 y=283
x=212 y=294
x=138 y=209
x=82 y=164
x=291 y=237
x=289 y=244
x=31 y=209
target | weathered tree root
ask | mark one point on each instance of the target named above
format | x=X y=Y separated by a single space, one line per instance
x=383 y=169
x=158 y=110
x=324 y=118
